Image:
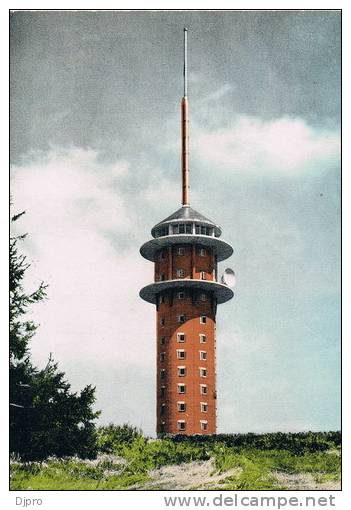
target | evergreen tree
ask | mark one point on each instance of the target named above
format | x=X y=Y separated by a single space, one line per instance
x=46 y=418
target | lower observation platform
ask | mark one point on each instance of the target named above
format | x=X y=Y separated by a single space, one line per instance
x=220 y=248
x=221 y=292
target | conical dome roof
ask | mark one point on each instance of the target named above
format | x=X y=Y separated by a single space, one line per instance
x=187 y=213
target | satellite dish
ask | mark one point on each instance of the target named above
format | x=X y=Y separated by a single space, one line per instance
x=228 y=278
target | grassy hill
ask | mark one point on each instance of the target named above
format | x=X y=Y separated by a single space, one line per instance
x=128 y=460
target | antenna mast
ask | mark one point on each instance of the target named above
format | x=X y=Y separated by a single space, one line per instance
x=185 y=127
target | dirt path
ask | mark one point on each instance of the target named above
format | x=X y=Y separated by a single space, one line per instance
x=201 y=475
x=304 y=481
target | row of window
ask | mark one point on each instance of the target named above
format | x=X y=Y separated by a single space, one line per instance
x=181 y=425
x=181 y=228
x=181 y=407
x=181 y=389
x=182 y=318
x=180 y=251
x=181 y=338
x=181 y=273
x=182 y=373
x=180 y=295
x=184 y=228
x=181 y=355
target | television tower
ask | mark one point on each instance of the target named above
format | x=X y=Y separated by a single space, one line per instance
x=186 y=248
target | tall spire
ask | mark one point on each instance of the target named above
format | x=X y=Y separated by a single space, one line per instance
x=185 y=72
x=185 y=128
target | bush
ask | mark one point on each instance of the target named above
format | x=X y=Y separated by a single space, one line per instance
x=112 y=438
x=144 y=454
x=296 y=443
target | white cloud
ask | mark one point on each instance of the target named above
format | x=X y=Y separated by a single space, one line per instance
x=284 y=145
x=68 y=185
x=93 y=311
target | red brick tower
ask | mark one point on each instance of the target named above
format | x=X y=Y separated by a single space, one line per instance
x=186 y=250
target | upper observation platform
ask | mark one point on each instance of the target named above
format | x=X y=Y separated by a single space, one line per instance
x=186 y=226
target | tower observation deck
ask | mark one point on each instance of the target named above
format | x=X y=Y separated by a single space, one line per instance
x=186 y=248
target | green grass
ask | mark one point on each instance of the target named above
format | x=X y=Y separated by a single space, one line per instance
x=128 y=464
x=73 y=474
x=257 y=467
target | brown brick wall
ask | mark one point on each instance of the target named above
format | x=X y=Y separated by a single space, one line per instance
x=192 y=307
x=192 y=262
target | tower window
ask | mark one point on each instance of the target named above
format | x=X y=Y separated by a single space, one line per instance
x=180 y=337
x=163 y=409
x=203 y=297
x=161 y=277
x=163 y=374
x=181 y=319
x=181 y=407
x=181 y=388
x=163 y=340
x=181 y=424
x=162 y=428
x=188 y=228
x=181 y=371
x=203 y=407
x=175 y=229
x=181 y=228
x=203 y=319
x=203 y=424
x=162 y=356
x=162 y=321
x=203 y=372
x=202 y=252
x=203 y=355
x=203 y=389
x=203 y=275
x=180 y=295
x=203 y=230
x=180 y=273
x=202 y=338
x=180 y=354
x=180 y=251
x=162 y=391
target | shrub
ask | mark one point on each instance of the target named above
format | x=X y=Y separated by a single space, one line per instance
x=297 y=443
x=112 y=438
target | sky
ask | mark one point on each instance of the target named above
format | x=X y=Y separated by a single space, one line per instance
x=95 y=163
